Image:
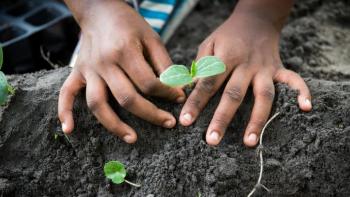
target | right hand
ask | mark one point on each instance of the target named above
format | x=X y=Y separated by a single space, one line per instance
x=115 y=40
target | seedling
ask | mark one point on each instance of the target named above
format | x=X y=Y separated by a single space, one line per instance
x=115 y=171
x=180 y=75
x=5 y=88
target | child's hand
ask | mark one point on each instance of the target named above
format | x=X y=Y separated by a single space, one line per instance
x=249 y=46
x=112 y=55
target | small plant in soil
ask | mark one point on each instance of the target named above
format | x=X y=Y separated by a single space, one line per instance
x=5 y=88
x=115 y=171
x=180 y=75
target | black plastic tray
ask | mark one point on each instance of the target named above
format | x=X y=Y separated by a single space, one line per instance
x=28 y=26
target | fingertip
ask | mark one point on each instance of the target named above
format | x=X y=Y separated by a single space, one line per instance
x=130 y=138
x=213 y=137
x=304 y=103
x=169 y=123
x=186 y=119
x=67 y=128
x=181 y=96
x=181 y=99
x=251 y=140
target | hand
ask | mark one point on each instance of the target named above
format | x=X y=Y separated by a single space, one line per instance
x=249 y=47
x=115 y=40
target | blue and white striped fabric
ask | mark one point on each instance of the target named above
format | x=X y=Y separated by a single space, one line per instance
x=156 y=12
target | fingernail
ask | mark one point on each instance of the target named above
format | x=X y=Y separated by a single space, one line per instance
x=180 y=99
x=168 y=124
x=128 y=138
x=307 y=103
x=187 y=117
x=214 y=136
x=64 y=128
x=252 y=138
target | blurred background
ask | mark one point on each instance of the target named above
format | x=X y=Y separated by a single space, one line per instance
x=36 y=34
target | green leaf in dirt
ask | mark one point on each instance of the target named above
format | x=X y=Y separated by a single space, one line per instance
x=179 y=75
x=5 y=89
x=115 y=171
x=209 y=66
x=176 y=75
x=1 y=57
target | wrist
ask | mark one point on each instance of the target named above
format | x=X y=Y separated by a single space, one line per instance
x=89 y=12
x=252 y=23
x=272 y=13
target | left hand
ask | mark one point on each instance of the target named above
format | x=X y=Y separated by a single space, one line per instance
x=249 y=46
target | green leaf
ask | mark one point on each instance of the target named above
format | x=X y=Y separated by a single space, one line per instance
x=1 y=57
x=209 y=66
x=115 y=171
x=4 y=93
x=176 y=75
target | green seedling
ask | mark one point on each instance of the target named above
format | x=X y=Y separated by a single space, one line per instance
x=5 y=88
x=115 y=171
x=180 y=75
x=55 y=136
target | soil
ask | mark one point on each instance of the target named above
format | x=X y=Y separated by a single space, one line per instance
x=306 y=154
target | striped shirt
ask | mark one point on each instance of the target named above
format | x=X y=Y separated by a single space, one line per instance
x=156 y=12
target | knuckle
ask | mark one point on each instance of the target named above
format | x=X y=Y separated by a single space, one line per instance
x=149 y=87
x=126 y=100
x=267 y=93
x=118 y=50
x=66 y=90
x=207 y=85
x=194 y=102
x=94 y=103
x=155 y=38
x=221 y=120
x=114 y=128
x=234 y=94
x=203 y=45
x=111 y=54
x=257 y=124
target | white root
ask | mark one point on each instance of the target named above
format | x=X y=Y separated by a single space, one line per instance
x=260 y=152
x=131 y=183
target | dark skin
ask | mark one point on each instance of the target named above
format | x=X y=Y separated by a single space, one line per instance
x=117 y=41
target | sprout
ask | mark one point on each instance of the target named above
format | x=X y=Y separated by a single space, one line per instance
x=115 y=171
x=5 y=88
x=179 y=75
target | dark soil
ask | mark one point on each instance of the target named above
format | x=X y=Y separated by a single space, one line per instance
x=307 y=154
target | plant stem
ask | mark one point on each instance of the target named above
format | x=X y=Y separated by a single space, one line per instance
x=260 y=150
x=132 y=184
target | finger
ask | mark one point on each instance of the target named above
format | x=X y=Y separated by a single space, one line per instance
x=231 y=99
x=141 y=73
x=159 y=57
x=123 y=90
x=264 y=92
x=68 y=92
x=203 y=91
x=206 y=48
x=97 y=101
x=157 y=54
x=294 y=81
